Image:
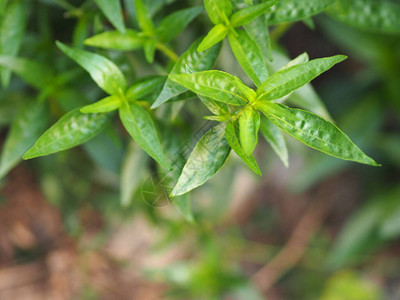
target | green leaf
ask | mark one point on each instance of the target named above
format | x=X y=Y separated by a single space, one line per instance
x=314 y=131
x=141 y=127
x=343 y=6
x=190 y=61
x=173 y=24
x=29 y=123
x=302 y=58
x=104 y=105
x=3 y=4
x=12 y=27
x=233 y=140
x=217 y=108
x=143 y=18
x=206 y=159
x=112 y=10
x=249 y=56
x=375 y=16
x=103 y=71
x=144 y=86
x=131 y=40
x=247 y=14
x=249 y=124
x=291 y=10
x=34 y=73
x=216 y=85
x=150 y=50
x=218 y=10
x=275 y=138
x=215 y=35
x=257 y=29
x=289 y=79
x=73 y=129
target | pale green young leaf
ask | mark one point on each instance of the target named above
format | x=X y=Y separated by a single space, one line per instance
x=314 y=131
x=107 y=104
x=34 y=73
x=145 y=86
x=103 y=71
x=258 y=31
x=302 y=58
x=216 y=85
x=249 y=124
x=190 y=61
x=206 y=159
x=247 y=14
x=275 y=138
x=214 y=36
x=249 y=56
x=28 y=125
x=289 y=79
x=173 y=24
x=149 y=50
x=233 y=140
x=131 y=40
x=217 y=108
x=73 y=129
x=12 y=27
x=218 y=10
x=143 y=18
x=112 y=10
x=141 y=127
x=294 y=10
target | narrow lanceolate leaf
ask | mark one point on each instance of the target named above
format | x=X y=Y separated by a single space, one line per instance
x=104 y=72
x=302 y=58
x=71 y=130
x=216 y=85
x=12 y=26
x=249 y=123
x=149 y=50
x=233 y=140
x=185 y=207
x=145 y=86
x=275 y=138
x=314 y=131
x=104 y=105
x=173 y=24
x=294 y=10
x=376 y=16
x=249 y=56
x=248 y=14
x=289 y=79
x=217 y=108
x=131 y=40
x=112 y=10
x=258 y=31
x=190 y=61
x=34 y=73
x=141 y=127
x=206 y=159
x=143 y=18
x=28 y=125
x=218 y=10
x=215 y=35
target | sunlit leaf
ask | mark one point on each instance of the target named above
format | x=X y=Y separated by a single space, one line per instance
x=218 y=10
x=215 y=35
x=131 y=40
x=104 y=105
x=245 y=15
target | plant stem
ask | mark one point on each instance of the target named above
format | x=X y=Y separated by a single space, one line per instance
x=168 y=52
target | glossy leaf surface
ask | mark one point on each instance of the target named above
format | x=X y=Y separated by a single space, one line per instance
x=218 y=10
x=248 y=14
x=104 y=105
x=249 y=123
x=215 y=35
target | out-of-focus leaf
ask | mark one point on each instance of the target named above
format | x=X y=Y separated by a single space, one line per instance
x=275 y=138
x=141 y=127
x=248 y=14
x=216 y=85
x=214 y=36
x=3 y=4
x=80 y=33
x=104 y=105
x=144 y=86
x=314 y=131
x=249 y=124
x=12 y=27
x=131 y=40
x=258 y=31
x=190 y=61
x=143 y=18
x=173 y=24
x=112 y=10
x=185 y=207
x=249 y=56
x=73 y=129
x=218 y=10
x=343 y=6
x=25 y=129
x=390 y=225
x=233 y=140
x=149 y=50
x=104 y=72
x=206 y=159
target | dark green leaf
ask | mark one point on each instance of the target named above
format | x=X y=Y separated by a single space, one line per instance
x=73 y=129
x=314 y=131
x=218 y=10
x=245 y=15
x=258 y=31
x=249 y=56
x=249 y=124
x=173 y=24
x=215 y=35
x=104 y=105
x=190 y=61
x=143 y=18
x=144 y=87
x=131 y=40
x=104 y=72
x=112 y=10
x=141 y=127
x=275 y=138
x=206 y=159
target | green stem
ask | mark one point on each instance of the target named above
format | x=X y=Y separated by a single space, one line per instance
x=168 y=52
